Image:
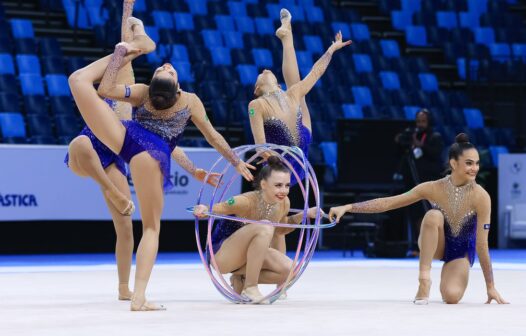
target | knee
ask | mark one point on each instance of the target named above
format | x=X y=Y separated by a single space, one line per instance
x=80 y=145
x=452 y=296
x=264 y=230
x=433 y=218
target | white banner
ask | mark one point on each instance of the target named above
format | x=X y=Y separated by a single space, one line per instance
x=35 y=184
x=512 y=190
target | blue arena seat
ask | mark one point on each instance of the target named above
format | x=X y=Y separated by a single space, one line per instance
x=352 y=111
x=416 y=35
x=35 y=104
x=519 y=51
x=390 y=80
x=22 y=28
x=7 y=65
x=67 y=125
x=31 y=84
x=262 y=58
x=495 y=152
x=313 y=44
x=273 y=10
x=360 y=32
x=57 y=85
x=343 y=27
x=184 y=72
x=233 y=39
x=446 y=20
x=362 y=63
x=500 y=52
x=198 y=7
x=297 y=13
x=330 y=154
x=247 y=74
x=410 y=112
x=224 y=23
x=8 y=83
x=12 y=125
x=390 y=48
x=61 y=105
x=183 y=21
x=179 y=53
x=410 y=6
x=245 y=25
x=28 y=64
x=221 y=56
x=484 y=35
x=401 y=19
x=9 y=102
x=237 y=8
x=428 y=82
x=314 y=15
x=468 y=19
x=53 y=65
x=264 y=26
x=362 y=96
x=478 y=6
x=163 y=19
x=304 y=59
x=212 y=38
x=49 y=47
x=474 y=118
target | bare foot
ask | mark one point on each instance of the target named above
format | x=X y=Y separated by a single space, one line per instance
x=255 y=295
x=286 y=29
x=125 y=294
x=237 y=282
x=123 y=205
x=422 y=296
x=141 y=40
x=144 y=305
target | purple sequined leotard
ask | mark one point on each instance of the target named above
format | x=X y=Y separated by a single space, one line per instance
x=277 y=132
x=106 y=156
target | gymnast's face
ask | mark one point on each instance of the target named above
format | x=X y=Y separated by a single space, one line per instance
x=467 y=166
x=276 y=186
x=166 y=71
x=265 y=82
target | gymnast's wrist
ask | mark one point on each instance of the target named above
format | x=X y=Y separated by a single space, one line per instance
x=348 y=208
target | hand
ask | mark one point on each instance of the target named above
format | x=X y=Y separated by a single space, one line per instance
x=131 y=51
x=337 y=212
x=311 y=213
x=213 y=178
x=338 y=43
x=264 y=156
x=242 y=168
x=199 y=211
x=494 y=295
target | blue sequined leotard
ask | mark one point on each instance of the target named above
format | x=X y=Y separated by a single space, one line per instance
x=277 y=132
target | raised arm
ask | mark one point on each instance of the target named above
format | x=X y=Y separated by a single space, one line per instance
x=300 y=89
x=255 y=116
x=200 y=119
x=420 y=192
x=483 y=208
x=109 y=88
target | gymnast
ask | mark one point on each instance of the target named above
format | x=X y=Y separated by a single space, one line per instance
x=87 y=156
x=244 y=249
x=147 y=142
x=457 y=225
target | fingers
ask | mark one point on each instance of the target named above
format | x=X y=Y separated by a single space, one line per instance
x=250 y=166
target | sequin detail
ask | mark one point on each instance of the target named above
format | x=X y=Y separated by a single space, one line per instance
x=277 y=132
x=169 y=128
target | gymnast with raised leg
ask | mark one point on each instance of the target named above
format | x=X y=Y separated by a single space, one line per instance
x=282 y=117
x=244 y=249
x=89 y=157
x=456 y=227
x=146 y=152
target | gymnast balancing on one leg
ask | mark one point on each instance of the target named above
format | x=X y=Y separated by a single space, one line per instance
x=457 y=226
x=147 y=152
x=87 y=156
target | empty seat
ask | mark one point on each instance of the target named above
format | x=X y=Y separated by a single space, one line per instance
x=314 y=15
x=495 y=153
x=390 y=48
x=264 y=26
x=224 y=23
x=31 y=84
x=7 y=65
x=390 y=80
x=245 y=25
x=416 y=35
x=360 y=32
x=428 y=82
x=67 y=125
x=233 y=39
x=212 y=38
x=247 y=74
x=237 y=8
x=352 y=111
x=53 y=65
x=474 y=118
x=313 y=44
x=57 y=85
x=197 y=7
x=484 y=35
x=49 y=47
x=401 y=19
x=8 y=83
x=500 y=52
x=35 y=104
x=12 y=125
x=184 y=72
x=221 y=56
x=362 y=95
x=39 y=125
x=446 y=20
x=163 y=19
x=61 y=105
x=28 y=64
x=9 y=102
x=262 y=58
x=183 y=21
x=362 y=63
x=22 y=28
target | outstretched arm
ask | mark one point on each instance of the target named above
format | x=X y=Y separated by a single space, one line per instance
x=420 y=192
x=483 y=208
x=199 y=174
x=236 y=206
x=200 y=119
x=300 y=90
x=255 y=116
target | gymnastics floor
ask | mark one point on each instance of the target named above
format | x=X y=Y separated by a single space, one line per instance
x=76 y=295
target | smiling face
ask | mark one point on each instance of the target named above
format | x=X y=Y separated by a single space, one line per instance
x=276 y=186
x=266 y=82
x=467 y=166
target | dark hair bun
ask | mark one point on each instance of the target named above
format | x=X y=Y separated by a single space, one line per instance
x=462 y=138
x=274 y=161
x=162 y=93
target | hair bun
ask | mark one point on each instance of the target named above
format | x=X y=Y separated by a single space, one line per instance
x=462 y=138
x=273 y=160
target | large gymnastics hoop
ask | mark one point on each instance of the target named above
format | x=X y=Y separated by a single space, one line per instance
x=310 y=232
